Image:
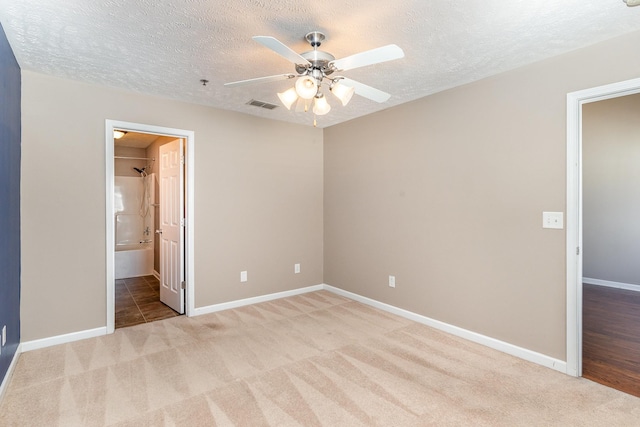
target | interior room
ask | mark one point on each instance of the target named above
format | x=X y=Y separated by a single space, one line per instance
x=373 y=213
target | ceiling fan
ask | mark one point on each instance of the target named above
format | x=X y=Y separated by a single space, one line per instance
x=316 y=67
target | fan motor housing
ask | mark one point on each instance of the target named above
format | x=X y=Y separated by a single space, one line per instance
x=318 y=59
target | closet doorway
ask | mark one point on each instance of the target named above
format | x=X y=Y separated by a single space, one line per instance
x=149 y=184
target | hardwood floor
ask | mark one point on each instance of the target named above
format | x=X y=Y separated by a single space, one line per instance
x=611 y=337
x=138 y=301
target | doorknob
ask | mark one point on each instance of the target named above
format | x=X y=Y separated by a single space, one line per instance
x=159 y=231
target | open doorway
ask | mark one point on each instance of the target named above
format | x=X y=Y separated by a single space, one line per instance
x=149 y=177
x=574 y=249
x=147 y=282
x=611 y=239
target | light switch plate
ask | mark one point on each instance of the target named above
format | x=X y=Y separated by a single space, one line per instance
x=553 y=220
x=296 y=268
x=243 y=276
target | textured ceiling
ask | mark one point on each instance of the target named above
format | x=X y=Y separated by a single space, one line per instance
x=164 y=48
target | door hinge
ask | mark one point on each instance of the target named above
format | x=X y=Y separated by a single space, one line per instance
x=182 y=159
x=183 y=285
x=578 y=250
x=183 y=222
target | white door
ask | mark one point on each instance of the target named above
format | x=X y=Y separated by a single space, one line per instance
x=171 y=231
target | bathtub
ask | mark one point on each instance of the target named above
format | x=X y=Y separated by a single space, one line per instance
x=133 y=260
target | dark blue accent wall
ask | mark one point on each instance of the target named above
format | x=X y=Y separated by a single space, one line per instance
x=10 y=136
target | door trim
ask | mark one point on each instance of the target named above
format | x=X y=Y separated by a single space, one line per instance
x=189 y=137
x=575 y=100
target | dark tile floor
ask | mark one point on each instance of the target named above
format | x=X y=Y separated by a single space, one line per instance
x=138 y=301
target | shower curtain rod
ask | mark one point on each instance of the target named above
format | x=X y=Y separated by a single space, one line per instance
x=135 y=158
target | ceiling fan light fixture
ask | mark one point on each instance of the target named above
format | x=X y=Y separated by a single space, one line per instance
x=320 y=105
x=306 y=87
x=288 y=97
x=315 y=68
x=632 y=3
x=342 y=92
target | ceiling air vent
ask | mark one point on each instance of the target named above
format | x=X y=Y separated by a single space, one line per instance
x=262 y=104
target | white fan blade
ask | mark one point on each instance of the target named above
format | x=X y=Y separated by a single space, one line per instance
x=366 y=91
x=369 y=57
x=281 y=49
x=261 y=80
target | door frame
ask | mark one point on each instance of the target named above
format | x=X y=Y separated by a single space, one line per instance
x=189 y=137
x=575 y=101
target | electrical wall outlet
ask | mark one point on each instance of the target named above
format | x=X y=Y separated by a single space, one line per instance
x=392 y=281
x=296 y=268
x=243 y=276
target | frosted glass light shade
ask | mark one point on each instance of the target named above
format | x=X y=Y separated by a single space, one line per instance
x=306 y=87
x=303 y=105
x=288 y=97
x=342 y=92
x=321 y=106
x=117 y=134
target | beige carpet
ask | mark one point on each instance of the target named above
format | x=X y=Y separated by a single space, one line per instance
x=311 y=360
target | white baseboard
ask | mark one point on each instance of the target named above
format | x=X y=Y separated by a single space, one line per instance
x=63 y=339
x=91 y=333
x=609 y=284
x=254 y=300
x=502 y=346
x=7 y=378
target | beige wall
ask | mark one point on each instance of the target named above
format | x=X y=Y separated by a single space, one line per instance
x=611 y=189
x=258 y=201
x=447 y=194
